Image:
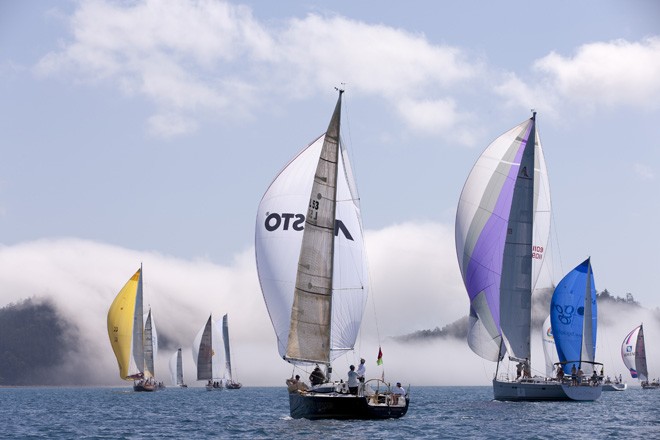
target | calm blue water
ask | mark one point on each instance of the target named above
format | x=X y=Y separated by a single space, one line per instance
x=435 y=412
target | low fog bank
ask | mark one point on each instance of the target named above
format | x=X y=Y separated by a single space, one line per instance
x=416 y=285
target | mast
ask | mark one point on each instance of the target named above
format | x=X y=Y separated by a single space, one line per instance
x=310 y=329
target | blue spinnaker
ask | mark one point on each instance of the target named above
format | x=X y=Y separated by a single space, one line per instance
x=573 y=315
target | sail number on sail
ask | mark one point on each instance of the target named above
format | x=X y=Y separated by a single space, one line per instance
x=537 y=252
x=274 y=221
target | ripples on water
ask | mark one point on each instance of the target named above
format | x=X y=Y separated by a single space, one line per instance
x=253 y=413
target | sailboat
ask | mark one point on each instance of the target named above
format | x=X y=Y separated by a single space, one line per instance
x=207 y=353
x=132 y=335
x=313 y=274
x=229 y=381
x=633 y=353
x=176 y=369
x=502 y=230
x=574 y=318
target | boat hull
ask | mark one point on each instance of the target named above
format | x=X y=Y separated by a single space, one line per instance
x=615 y=387
x=541 y=390
x=316 y=406
x=651 y=386
x=144 y=387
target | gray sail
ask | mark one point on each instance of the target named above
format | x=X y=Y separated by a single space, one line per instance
x=640 y=356
x=225 y=337
x=309 y=333
x=148 y=347
x=588 y=350
x=179 y=367
x=205 y=354
x=516 y=282
x=138 y=327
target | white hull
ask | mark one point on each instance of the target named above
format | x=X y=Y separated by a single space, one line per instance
x=615 y=387
x=535 y=390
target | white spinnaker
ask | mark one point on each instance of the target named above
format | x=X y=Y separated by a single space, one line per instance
x=173 y=367
x=633 y=353
x=476 y=205
x=277 y=249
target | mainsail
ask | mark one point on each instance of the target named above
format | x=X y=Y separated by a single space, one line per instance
x=207 y=351
x=573 y=313
x=150 y=341
x=502 y=228
x=125 y=328
x=225 y=338
x=312 y=267
x=633 y=354
x=176 y=368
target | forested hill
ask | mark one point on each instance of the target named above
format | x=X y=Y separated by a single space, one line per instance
x=541 y=301
x=34 y=343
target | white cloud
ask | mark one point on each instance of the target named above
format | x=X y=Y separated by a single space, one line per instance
x=517 y=93
x=612 y=73
x=185 y=57
x=438 y=117
x=372 y=59
x=602 y=74
x=643 y=171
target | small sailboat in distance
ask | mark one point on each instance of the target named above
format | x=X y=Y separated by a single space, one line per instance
x=312 y=270
x=207 y=353
x=176 y=369
x=229 y=381
x=132 y=335
x=633 y=353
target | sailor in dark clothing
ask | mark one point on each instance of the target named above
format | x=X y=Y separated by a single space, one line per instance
x=317 y=377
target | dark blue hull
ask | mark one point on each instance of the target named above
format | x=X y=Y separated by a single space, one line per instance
x=315 y=406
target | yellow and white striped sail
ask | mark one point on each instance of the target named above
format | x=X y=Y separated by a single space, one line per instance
x=124 y=334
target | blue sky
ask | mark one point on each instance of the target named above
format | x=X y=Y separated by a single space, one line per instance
x=148 y=131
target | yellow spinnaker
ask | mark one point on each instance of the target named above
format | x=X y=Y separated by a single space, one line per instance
x=120 y=326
